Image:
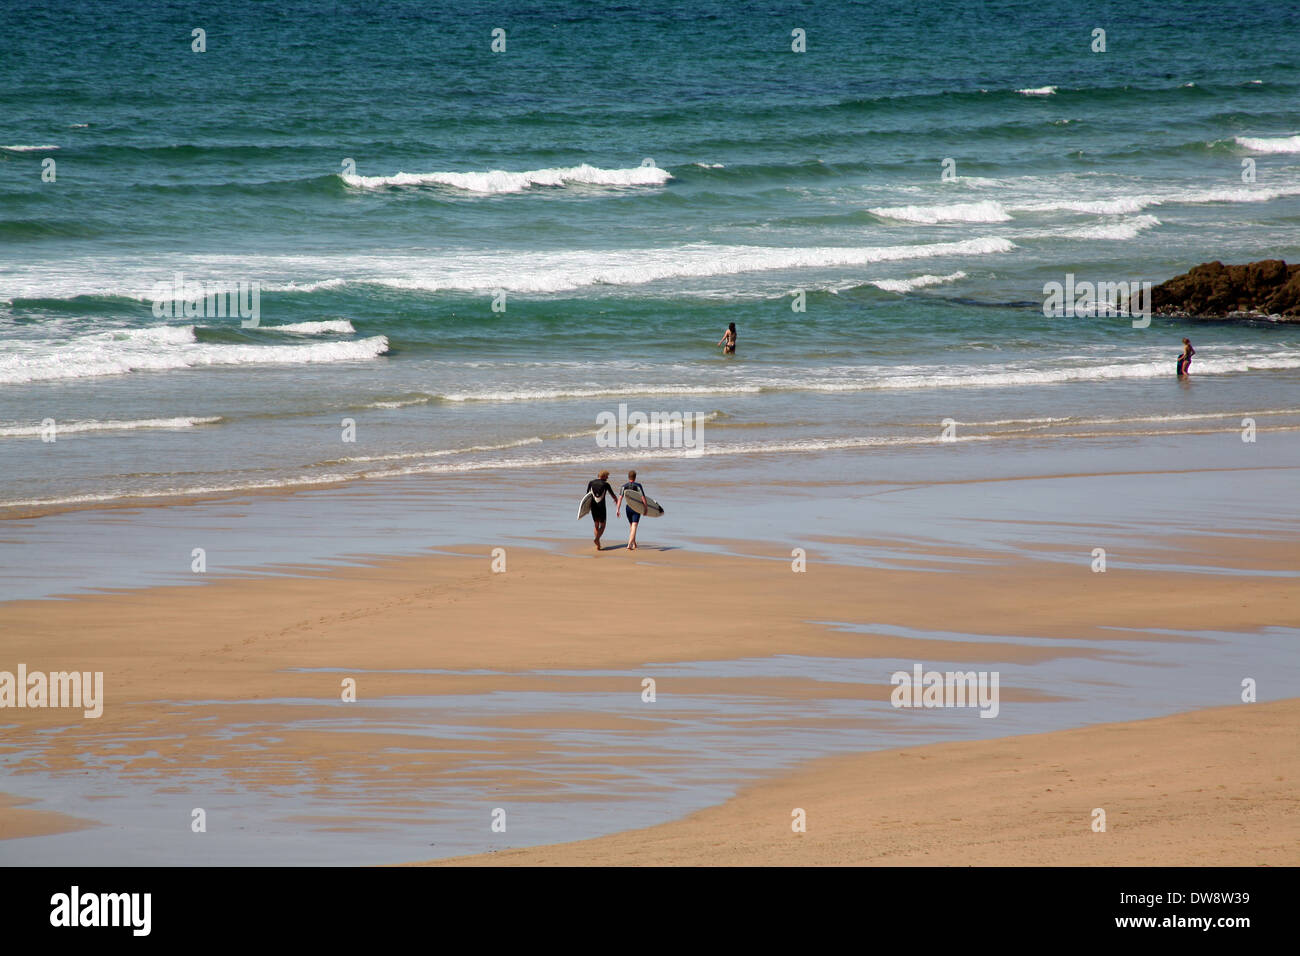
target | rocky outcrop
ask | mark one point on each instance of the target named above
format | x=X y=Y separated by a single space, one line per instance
x=1212 y=290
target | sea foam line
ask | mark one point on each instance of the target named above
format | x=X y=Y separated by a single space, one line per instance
x=920 y=282
x=1280 y=144
x=806 y=446
x=703 y=261
x=165 y=348
x=984 y=211
x=498 y=181
x=1204 y=416
x=66 y=428
x=339 y=326
x=992 y=211
x=920 y=378
x=537 y=272
x=538 y=394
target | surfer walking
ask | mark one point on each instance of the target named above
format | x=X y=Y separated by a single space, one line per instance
x=599 y=487
x=728 y=340
x=633 y=517
x=1185 y=360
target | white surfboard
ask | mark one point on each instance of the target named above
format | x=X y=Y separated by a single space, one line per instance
x=641 y=504
x=584 y=506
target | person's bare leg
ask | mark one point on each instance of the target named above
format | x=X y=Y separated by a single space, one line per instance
x=631 y=536
x=600 y=529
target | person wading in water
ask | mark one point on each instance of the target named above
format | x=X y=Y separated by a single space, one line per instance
x=728 y=340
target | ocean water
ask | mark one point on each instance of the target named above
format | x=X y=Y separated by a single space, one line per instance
x=464 y=257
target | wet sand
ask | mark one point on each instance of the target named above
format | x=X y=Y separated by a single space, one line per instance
x=234 y=687
x=1216 y=787
x=18 y=820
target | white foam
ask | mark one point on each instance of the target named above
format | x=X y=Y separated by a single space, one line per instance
x=339 y=326
x=436 y=453
x=1240 y=194
x=710 y=165
x=28 y=149
x=920 y=282
x=501 y=181
x=1119 y=206
x=66 y=428
x=990 y=211
x=1280 y=144
x=985 y=211
x=1015 y=421
x=150 y=335
x=1127 y=229
x=1136 y=419
x=710 y=449
x=707 y=450
x=919 y=377
x=568 y=271
x=1000 y=211
x=654 y=426
x=477 y=271
x=542 y=394
x=1190 y=417
x=1123 y=205
x=305 y=286
x=985 y=377
x=1038 y=91
x=403 y=403
x=161 y=348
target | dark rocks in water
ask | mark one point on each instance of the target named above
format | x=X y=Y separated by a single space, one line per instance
x=1268 y=288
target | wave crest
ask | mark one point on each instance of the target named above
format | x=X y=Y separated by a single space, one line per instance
x=920 y=282
x=985 y=211
x=1278 y=144
x=499 y=181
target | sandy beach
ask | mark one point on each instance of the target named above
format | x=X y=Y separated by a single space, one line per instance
x=1212 y=788
x=229 y=694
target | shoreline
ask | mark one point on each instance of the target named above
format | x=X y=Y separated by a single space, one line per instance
x=970 y=505
x=567 y=472
x=1224 y=794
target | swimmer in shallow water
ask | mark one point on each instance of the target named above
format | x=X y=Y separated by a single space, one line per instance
x=1185 y=360
x=728 y=340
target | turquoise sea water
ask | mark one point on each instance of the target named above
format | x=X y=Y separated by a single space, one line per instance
x=621 y=183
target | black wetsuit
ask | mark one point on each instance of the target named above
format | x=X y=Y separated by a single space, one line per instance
x=600 y=488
